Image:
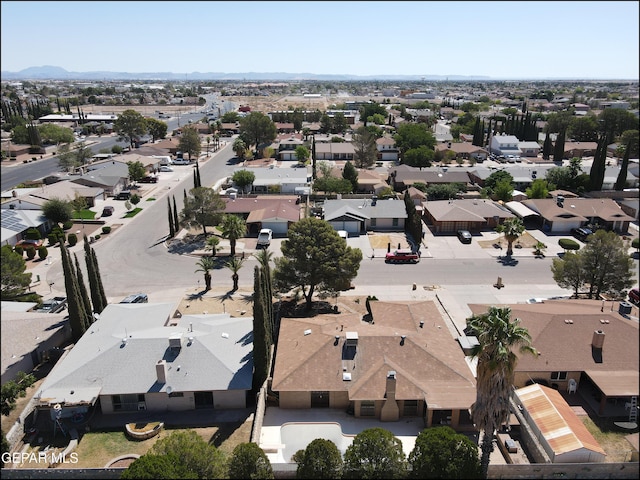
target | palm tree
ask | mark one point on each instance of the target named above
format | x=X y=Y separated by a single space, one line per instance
x=234 y=265
x=239 y=147
x=211 y=244
x=206 y=264
x=498 y=336
x=233 y=227
x=512 y=229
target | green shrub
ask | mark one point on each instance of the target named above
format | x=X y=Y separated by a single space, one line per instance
x=67 y=225
x=42 y=252
x=18 y=249
x=635 y=243
x=97 y=236
x=106 y=229
x=53 y=238
x=32 y=234
x=72 y=238
x=568 y=244
x=31 y=252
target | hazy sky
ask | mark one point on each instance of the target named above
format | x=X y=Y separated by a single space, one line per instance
x=590 y=40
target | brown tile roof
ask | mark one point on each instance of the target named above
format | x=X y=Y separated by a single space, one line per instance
x=246 y=205
x=282 y=210
x=567 y=346
x=465 y=210
x=429 y=363
x=580 y=208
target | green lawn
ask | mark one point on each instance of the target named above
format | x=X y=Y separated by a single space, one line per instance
x=84 y=215
x=133 y=213
x=150 y=199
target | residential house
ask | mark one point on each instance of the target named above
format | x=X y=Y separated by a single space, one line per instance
x=370 y=181
x=16 y=222
x=387 y=150
x=285 y=127
x=529 y=149
x=579 y=149
x=611 y=173
x=28 y=338
x=281 y=180
x=561 y=215
x=561 y=433
x=505 y=145
x=143 y=357
x=475 y=215
x=65 y=190
x=334 y=151
x=286 y=146
x=369 y=367
x=160 y=148
x=404 y=176
x=360 y=215
x=150 y=164
x=112 y=176
x=230 y=128
x=581 y=347
x=276 y=212
x=464 y=150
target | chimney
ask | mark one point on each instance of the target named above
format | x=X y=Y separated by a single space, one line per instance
x=598 y=339
x=161 y=371
x=390 y=411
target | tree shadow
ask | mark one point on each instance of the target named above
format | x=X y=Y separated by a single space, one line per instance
x=508 y=261
x=197 y=295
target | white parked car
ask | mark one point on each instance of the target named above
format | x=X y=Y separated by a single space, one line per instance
x=165 y=168
x=264 y=237
x=343 y=234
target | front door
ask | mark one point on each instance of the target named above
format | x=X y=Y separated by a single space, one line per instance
x=320 y=399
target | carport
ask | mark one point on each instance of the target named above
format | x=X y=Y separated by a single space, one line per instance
x=529 y=217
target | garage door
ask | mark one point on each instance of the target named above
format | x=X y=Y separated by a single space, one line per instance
x=278 y=228
x=351 y=227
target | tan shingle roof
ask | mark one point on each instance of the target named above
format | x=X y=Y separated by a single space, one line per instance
x=429 y=363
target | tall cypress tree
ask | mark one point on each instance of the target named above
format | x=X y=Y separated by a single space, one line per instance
x=83 y=292
x=546 y=147
x=621 y=181
x=598 y=167
x=313 y=158
x=558 y=149
x=94 y=288
x=103 y=296
x=195 y=179
x=75 y=306
x=172 y=230
x=260 y=346
x=264 y=257
x=198 y=174
x=176 y=219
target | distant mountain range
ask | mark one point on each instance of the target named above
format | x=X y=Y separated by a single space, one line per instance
x=48 y=72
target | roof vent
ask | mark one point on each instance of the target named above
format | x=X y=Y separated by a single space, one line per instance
x=175 y=340
x=352 y=339
x=307 y=332
x=346 y=376
x=598 y=339
x=225 y=335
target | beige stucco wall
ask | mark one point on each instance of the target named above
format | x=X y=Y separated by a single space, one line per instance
x=339 y=399
x=295 y=400
x=160 y=401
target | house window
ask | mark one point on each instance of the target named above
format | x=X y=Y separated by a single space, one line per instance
x=395 y=222
x=558 y=375
x=373 y=222
x=124 y=403
x=367 y=408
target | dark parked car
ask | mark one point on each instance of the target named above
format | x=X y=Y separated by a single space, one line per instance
x=464 y=236
x=634 y=296
x=149 y=179
x=581 y=233
x=107 y=211
x=123 y=195
x=53 y=305
x=136 y=298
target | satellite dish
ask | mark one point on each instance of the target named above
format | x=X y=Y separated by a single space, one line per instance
x=169 y=390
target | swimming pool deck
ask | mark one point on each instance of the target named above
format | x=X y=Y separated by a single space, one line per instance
x=285 y=431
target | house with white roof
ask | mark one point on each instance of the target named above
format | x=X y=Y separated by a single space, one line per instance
x=144 y=356
x=505 y=145
x=280 y=180
x=359 y=215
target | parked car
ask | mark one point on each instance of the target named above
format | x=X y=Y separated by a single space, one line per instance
x=464 y=236
x=52 y=305
x=181 y=161
x=634 y=296
x=343 y=234
x=136 y=298
x=264 y=237
x=29 y=243
x=123 y=195
x=403 y=255
x=149 y=179
x=165 y=168
x=107 y=211
x=581 y=233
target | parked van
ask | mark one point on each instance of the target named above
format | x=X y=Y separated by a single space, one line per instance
x=107 y=211
x=123 y=195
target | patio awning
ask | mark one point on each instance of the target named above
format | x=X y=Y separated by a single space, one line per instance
x=616 y=384
x=520 y=210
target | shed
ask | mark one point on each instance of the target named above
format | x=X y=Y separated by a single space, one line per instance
x=558 y=429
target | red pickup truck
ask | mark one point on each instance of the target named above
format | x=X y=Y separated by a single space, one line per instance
x=404 y=255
